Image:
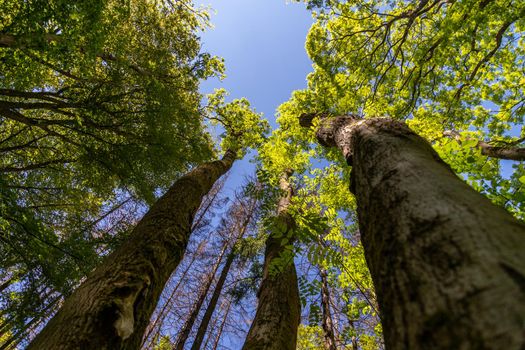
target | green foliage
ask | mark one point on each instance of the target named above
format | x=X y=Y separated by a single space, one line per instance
x=108 y=91
x=99 y=112
x=164 y=343
x=244 y=128
x=440 y=65
x=310 y=338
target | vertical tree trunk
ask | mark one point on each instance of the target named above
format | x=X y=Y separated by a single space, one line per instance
x=201 y=332
x=448 y=265
x=111 y=309
x=197 y=306
x=278 y=311
x=328 y=325
x=355 y=345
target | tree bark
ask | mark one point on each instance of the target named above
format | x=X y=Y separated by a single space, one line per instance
x=278 y=311
x=328 y=325
x=111 y=309
x=221 y=328
x=448 y=265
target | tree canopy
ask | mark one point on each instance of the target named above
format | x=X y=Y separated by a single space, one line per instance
x=100 y=112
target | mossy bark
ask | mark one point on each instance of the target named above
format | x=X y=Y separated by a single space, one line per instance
x=112 y=307
x=278 y=310
x=448 y=265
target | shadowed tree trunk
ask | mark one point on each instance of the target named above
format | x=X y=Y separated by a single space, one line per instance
x=447 y=264
x=221 y=328
x=278 y=311
x=112 y=308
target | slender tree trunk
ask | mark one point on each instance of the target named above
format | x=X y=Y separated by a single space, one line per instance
x=197 y=306
x=221 y=328
x=354 y=337
x=111 y=309
x=6 y=284
x=328 y=325
x=448 y=265
x=201 y=332
x=162 y=312
x=278 y=311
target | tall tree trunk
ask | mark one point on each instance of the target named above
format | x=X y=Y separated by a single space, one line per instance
x=355 y=345
x=197 y=306
x=111 y=309
x=278 y=310
x=328 y=325
x=447 y=264
x=201 y=332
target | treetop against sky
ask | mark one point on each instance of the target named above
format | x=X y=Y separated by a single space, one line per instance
x=111 y=107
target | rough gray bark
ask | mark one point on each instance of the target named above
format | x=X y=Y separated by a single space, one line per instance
x=278 y=311
x=448 y=265
x=328 y=324
x=111 y=309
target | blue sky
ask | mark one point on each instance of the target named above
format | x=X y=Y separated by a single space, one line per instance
x=262 y=43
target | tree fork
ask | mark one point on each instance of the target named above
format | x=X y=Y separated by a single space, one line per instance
x=447 y=264
x=112 y=308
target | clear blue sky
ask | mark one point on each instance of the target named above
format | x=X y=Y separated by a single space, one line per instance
x=262 y=42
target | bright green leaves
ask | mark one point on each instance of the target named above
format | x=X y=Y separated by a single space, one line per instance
x=244 y=128
x=310 y=338
x=439 y=65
